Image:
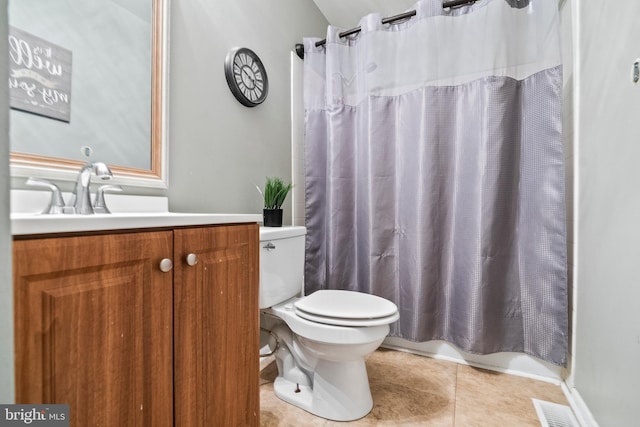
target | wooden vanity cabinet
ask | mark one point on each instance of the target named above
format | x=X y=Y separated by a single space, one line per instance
x=216 y=327
x=100 y=327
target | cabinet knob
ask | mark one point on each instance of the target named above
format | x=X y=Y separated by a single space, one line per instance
x=192 y=259
x=166 y=265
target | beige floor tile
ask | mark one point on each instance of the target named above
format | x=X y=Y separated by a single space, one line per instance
x=411 y=390
x=408 y=390
x=487 y=398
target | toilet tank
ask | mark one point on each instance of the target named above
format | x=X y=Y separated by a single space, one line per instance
x=281 y=264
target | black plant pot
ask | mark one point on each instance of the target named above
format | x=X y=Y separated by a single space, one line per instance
x=272 y=217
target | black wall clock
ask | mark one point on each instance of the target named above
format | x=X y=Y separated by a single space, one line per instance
x=246 y=76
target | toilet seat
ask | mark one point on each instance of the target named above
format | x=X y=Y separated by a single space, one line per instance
x=346 y=308
x=348 y=322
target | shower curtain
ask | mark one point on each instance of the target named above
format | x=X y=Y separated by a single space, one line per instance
x=435 y=176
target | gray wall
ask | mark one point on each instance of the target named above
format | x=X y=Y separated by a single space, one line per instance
x=607 y=328
x=219 y=149
x=6 y=295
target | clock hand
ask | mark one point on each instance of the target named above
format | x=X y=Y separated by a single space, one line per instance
x=253 y=81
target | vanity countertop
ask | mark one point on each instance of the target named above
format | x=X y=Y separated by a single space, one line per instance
x=129 y=212
x=25 y=224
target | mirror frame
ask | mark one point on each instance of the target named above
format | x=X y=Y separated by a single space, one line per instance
x=26 y=165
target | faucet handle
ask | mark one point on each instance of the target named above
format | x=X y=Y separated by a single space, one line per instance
x=56 y=205
x=100 y=206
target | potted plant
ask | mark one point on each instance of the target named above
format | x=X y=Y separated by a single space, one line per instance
x=275 y=191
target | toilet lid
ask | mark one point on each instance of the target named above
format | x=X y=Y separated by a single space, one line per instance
x=346 y=308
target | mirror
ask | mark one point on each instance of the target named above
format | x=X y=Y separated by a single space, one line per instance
x=87 y=79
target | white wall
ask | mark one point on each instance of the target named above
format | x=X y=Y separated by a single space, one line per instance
x=607 y=330
x=6 y=294
x=219 y=149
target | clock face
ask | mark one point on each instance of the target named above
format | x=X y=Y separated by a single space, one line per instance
x=246 y=76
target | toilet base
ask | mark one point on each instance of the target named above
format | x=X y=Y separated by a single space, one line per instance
x=340 y=391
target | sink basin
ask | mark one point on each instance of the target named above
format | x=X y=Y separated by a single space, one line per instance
x=24 y=224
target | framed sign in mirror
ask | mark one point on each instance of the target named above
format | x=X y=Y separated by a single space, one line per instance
x=88 y=77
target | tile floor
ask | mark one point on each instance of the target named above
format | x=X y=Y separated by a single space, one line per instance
x=412 y=390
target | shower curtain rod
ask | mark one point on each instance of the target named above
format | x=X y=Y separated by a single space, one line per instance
x=389 y=20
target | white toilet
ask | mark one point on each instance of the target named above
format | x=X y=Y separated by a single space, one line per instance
x=322 y=339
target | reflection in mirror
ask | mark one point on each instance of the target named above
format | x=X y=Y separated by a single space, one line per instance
x=86 y=78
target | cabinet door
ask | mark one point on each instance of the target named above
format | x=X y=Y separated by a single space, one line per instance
x=216 y=329
x=93 y=327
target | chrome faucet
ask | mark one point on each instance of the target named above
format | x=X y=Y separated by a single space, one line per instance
x=100 y=205
x=81 y=198
x=56 y=205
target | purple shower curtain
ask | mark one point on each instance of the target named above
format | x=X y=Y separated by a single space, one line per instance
x=435 y=176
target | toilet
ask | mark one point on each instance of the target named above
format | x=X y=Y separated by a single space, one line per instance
x=321 y=340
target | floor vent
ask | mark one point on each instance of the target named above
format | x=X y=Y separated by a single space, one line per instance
x=554 y=415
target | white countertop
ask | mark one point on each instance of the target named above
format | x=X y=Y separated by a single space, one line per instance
x=24 y=224
x=146 y=212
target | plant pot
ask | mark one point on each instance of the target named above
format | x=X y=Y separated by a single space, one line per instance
x=272 y=217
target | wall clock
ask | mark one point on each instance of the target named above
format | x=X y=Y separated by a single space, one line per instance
x=246 y=76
